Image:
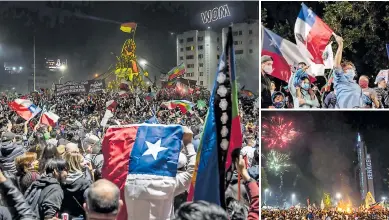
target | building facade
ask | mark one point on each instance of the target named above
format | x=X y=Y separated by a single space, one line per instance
x=200 y=52
x=365 y=169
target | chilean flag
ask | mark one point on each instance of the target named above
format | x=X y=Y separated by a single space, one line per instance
x=312 y=34
x=286 y=55
x=24 y=108
x=142 y=159
x=49 y=118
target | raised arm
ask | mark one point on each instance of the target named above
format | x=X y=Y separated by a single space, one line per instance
x=338 y=56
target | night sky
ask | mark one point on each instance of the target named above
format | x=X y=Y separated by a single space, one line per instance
x=88 y=32
x=324 y=154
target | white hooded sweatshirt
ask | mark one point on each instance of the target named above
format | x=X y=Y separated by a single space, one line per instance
x=152 y=197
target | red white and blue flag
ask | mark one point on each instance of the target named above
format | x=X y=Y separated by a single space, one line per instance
x=285 y=54
x=49 y=118
x=24 y=108
x=135 y=152
x=312 y=34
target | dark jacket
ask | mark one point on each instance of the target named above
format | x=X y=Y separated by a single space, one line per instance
x=45 y=197
x=8 y=153
x=14 y=198
x=74 y=189
x=265 y=92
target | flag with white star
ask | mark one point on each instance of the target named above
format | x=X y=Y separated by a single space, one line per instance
x=141 y=152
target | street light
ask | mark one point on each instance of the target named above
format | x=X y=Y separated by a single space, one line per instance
x=13 y=68
x=338 y=195
x=142 y=62
x=383 y=198
x=59 y=81
x=293 y=197
x=96 y=75
x=20 y=68
x=62 y=68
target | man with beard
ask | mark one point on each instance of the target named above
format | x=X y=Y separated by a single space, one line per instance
x=382 y=91
x=266 y=68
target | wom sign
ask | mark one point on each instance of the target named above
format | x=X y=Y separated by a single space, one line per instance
x=215 y=14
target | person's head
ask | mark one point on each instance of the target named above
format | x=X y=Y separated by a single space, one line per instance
x=74 y=161
x=305 y=84
x=272 y=86
x=381 y=82
x=102 y=201
x=26 y=162
x=7 y=138
x=301 y=65
x=200 y=210
x=266 y=64
x=92 y=144
x=72 y=147
x=349 y=70
x=236 y=210
x=278 y=99
x=56 y=168
x=50 y=152
x=363 y=82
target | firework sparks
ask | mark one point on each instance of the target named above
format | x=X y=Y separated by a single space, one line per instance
x=278 y=162
x=277 y=133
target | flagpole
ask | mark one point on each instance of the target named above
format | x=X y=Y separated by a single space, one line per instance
x=34 y=63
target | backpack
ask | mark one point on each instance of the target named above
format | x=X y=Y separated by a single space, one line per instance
x=32 y=196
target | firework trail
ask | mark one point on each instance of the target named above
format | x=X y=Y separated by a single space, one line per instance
x=278 y=163
x=277 y=133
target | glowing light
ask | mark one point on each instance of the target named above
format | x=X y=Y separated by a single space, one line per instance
x=13 y=68
x=277 y=133
x=96 y=75
x=62 y=68
x=277 y=162
x=143 y=62
x=338 y=195
x=20 y=68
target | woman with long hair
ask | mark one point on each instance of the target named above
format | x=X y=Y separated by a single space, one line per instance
x=49 y=152
x=78 y=180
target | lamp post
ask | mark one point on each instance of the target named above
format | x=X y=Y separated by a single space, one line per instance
x=266 y=190
x=293 y=198
x=59 y=81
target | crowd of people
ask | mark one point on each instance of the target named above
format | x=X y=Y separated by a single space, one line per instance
x=54 y=172
x=304 y=213
x=342 y=90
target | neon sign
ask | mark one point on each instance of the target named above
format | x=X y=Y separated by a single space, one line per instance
x=369 y=170
x=215 y=14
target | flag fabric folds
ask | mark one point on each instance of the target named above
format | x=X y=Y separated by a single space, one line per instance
x=176 y=71
x=221 y=133
x=286 y=55
x=111 y=105
x=143 y=152
x=49 y=118
x=24 y=108
x=312 y=34
x=182 y=104
x=128 y=27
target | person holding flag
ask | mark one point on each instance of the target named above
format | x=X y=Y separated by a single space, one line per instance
x=348 y=92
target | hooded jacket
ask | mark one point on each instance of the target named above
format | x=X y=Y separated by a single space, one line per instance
x=74 y=188
x=45 y=197
x=9 y=151
x=153 y=198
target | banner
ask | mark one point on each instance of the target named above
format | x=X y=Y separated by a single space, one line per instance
x=90 y=86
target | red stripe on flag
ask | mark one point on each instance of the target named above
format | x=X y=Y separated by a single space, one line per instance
x=117 y=146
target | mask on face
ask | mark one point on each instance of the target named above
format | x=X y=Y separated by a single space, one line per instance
x=305 y=86
x=278 y=104
x=349 y=74
x=268 y=69
x=363 y=84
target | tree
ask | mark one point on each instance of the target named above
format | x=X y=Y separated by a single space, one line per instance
x=363 y=25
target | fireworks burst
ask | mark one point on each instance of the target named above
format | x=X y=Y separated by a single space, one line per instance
x=278 y=162
x=277 y=133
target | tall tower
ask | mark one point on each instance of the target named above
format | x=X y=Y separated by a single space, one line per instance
x=365 y=169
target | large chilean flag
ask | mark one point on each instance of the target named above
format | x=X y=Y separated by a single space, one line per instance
x=286 y=55
x=312 y=34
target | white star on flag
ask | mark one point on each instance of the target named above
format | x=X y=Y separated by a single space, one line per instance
x=154 y=149
x=272 y=43
x=310 y=13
